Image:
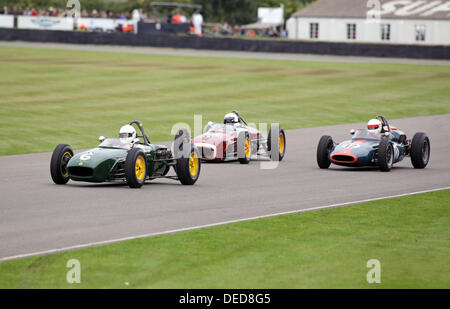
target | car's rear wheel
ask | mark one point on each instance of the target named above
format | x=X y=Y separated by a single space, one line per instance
x=182 y=138
x=188 y=169
x=281 y=141
x=420 y=150
x=255 y=146
x=58 y=164
x=385 y=155
x=166 y=171
x=324 y=148
x=244 y=148
x=136 y=168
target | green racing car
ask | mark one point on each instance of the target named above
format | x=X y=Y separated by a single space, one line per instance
x=132 y=158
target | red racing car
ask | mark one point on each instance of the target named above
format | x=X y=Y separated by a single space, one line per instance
x=235 y=140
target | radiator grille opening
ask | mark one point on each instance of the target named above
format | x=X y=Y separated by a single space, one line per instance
x=81 y=171
x=343 y=158
x=206 y=152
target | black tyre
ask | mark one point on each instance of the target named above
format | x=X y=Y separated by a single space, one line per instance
x=182 y=138
x=58 y=164
x=255 y=147
x=188 y=169
x=325 y=147
x=385 y=155
x=166 y=171
x=420 y=150
x=244 y=148
x=281 y=141
x=136 y=168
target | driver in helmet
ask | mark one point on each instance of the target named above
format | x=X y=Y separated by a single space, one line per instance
x=232 y=119
x=375 y=126
x=127 y=134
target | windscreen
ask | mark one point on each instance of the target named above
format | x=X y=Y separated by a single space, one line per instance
x=219 y=128
x=115 y=143
x=365 y=134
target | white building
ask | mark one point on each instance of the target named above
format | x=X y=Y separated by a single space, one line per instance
x=373 y=21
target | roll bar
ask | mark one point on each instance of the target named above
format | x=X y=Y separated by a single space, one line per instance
x=239 y=116
x=384 y=122
x=141 y=128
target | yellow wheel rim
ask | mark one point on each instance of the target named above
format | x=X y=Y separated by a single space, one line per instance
x=193 y=165
x=281 y=143
x=66 y=172
x=247 y=148
x=140 y=168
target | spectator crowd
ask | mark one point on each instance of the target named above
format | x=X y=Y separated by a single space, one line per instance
x=52 y=12
x=196 y=21
x=227 y=30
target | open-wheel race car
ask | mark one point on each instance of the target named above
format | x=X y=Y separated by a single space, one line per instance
x=234 y=139
x=381 y=145
x=132 y=158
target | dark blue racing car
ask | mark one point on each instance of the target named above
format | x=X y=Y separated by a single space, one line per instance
x=380 y=145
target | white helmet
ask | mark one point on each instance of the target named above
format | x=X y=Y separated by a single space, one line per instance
x=374 y=126
x=231 y=118
x=127 y=134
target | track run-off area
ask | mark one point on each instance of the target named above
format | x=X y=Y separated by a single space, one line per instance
x=184 y=52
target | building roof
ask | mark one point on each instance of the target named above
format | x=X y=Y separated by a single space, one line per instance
x=393 y=9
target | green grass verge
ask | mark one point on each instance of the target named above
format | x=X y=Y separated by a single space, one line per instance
x=410 y=236
x=49 y=97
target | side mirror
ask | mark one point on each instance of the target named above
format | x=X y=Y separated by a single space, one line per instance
x=101 y=139
x=352 y=132
x=387 y=134
x=210 y=123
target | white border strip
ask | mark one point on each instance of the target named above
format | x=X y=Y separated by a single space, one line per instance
x=106 y=242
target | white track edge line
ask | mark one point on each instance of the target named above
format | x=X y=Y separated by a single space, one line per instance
x=106 y=242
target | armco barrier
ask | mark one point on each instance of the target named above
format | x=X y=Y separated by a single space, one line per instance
x=275 y=46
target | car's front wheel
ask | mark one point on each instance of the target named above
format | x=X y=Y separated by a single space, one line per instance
x=244 y=148
x=385 y=155
x=58 y=164
x=324 y=148
x=188 y=169
x=136 y=168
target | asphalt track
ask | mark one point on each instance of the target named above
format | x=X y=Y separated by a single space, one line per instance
x=37 y=216
x=223 y=54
